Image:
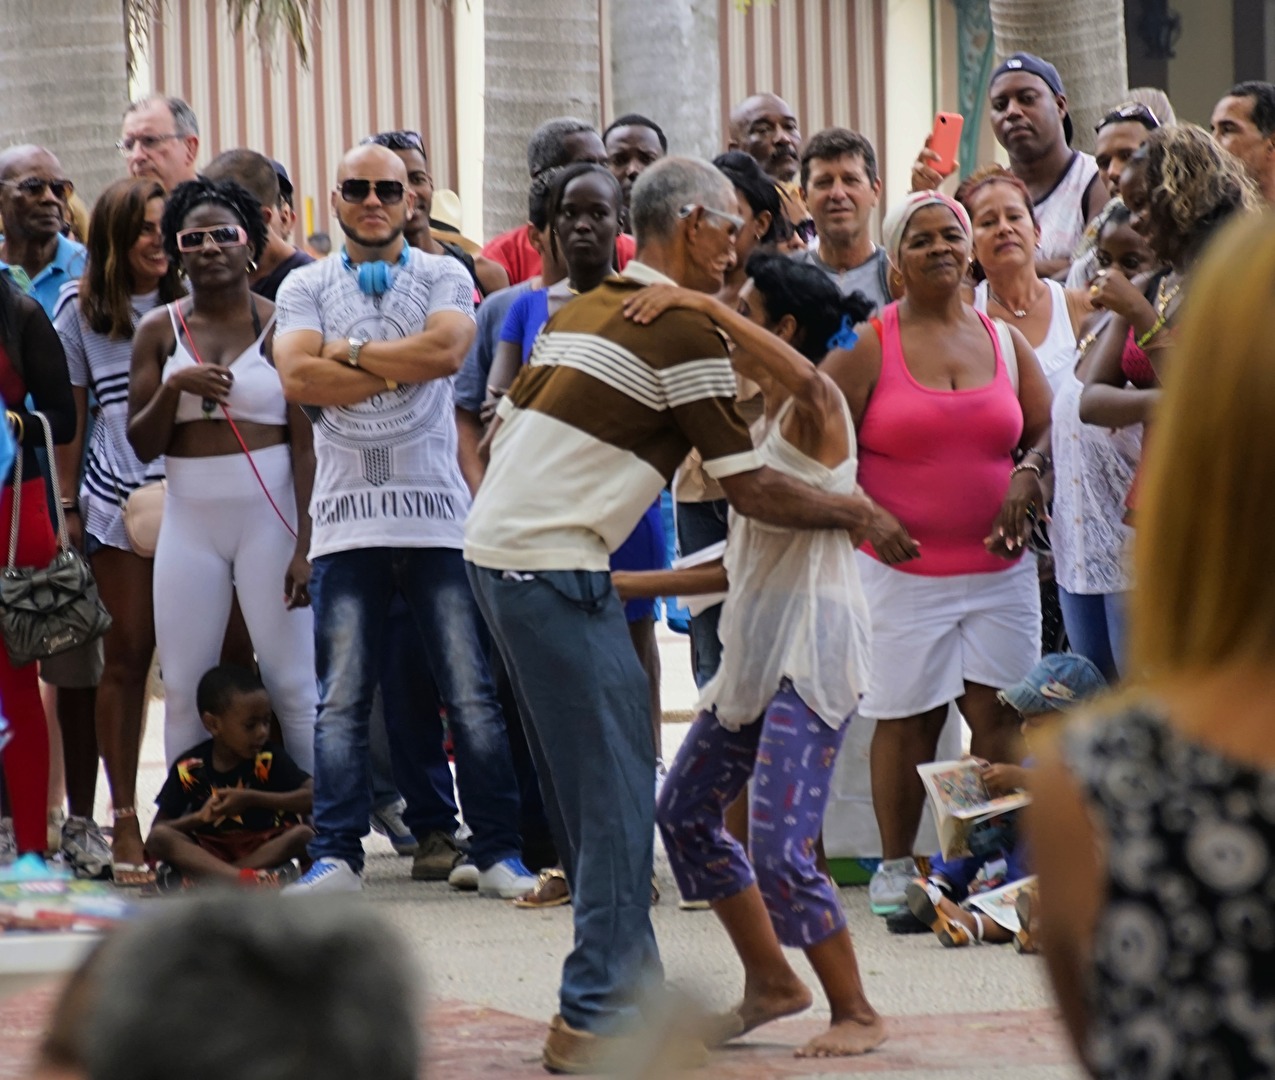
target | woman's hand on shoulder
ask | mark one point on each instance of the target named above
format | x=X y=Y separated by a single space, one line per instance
x=649 y=303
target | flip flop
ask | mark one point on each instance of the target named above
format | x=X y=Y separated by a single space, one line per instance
x=951 y=933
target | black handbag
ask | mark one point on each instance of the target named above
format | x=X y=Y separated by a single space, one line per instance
x=53 y=609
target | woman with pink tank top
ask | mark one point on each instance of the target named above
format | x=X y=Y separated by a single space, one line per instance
x=952 y=413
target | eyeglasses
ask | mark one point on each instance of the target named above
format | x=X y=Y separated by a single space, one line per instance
x=388 y=192
x=222 y=236
x=1133 y=112
x=397 y=140
x=731 y=219
x=148 y=143
x=33 y=187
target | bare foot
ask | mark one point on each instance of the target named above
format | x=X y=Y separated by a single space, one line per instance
x=846 y=1038
x=759 y=1006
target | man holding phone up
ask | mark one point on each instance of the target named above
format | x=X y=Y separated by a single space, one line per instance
x=1030 y=120
x=840 y=184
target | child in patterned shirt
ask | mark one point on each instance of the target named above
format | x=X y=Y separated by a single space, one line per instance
x=231 y=808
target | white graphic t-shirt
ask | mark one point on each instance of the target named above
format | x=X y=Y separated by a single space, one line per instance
x=386 y=473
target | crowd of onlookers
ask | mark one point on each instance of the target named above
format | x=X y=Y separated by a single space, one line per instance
x=397 y=518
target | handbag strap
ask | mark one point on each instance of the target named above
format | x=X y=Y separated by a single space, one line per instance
x=177 y=306
x=64 y=541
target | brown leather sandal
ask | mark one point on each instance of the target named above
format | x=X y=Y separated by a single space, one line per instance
x=551 y=891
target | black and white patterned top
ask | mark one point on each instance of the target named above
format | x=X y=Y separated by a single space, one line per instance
x=101 y=363
x=1183 y=976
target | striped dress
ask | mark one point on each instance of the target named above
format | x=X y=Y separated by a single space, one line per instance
x=111 y=470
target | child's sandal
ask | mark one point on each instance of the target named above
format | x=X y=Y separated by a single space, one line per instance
x=951 y=933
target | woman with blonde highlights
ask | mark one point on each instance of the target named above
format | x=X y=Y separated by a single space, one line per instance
x=1154 y=826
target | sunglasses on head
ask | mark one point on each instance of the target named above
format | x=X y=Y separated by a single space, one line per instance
x=1133 y=112
x=33 y=187
x=397 y=140
x=222 y=236
x=388 y=192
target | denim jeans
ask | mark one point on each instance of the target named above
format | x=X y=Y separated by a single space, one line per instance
x=1095 y=628
x=583 y=697
x=700 y=525
x=407 y=732
x=351 y=592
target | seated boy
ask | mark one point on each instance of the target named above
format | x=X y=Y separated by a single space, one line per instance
x=231 y=807
x=1058 y=682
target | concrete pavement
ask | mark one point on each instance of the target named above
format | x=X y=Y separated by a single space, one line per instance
x=490 y=974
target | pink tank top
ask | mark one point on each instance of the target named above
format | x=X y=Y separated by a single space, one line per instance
x=939 y=460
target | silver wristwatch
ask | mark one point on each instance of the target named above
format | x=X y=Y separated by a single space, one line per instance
x=357 y=342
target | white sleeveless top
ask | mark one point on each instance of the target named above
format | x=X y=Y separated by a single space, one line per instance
x=795 y=608
x=1061 y=213
x=256 y=395
x=1057 y=353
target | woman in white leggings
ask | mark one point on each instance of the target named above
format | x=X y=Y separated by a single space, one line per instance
x=204 y=392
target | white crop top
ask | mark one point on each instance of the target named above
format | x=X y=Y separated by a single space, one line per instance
x=256 y=395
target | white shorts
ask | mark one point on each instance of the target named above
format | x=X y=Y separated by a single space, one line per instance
x=932 y=635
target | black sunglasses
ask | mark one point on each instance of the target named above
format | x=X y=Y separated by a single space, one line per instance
x=388 y=192
x=397 y=140
x=33 y=186
x=1133 y=112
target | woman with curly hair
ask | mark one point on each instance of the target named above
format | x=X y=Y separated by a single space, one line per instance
x=1180 y=187
x=204 y=393
x=128 y=274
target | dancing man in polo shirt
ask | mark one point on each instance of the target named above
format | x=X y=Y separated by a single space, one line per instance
x=586 y=438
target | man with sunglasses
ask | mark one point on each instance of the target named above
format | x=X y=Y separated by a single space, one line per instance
x=369 y=341
x=34 y=254
x=840 y=184
x=160 y=139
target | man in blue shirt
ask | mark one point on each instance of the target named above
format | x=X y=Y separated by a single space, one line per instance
x=34 y=254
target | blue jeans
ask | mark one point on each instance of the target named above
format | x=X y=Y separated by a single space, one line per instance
x=583 y=698
x=1095 y=628
x=351 y=592
x=406 y=734
x=700 y=525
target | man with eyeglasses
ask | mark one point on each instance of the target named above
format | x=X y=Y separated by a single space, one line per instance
x=160 y=139
x=489 y=276
x=369 y=340
x=1243 y=122
x=584 y=441
x=840 y=184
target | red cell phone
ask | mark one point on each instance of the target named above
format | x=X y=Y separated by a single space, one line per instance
x=945 y=140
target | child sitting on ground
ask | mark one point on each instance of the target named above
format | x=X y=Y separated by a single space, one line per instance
x=231 y=807
x=1058 y=682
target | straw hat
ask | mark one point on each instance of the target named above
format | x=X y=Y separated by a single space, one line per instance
x=444 y=221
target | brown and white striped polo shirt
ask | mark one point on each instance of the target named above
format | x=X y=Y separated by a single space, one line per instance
x=595 y=426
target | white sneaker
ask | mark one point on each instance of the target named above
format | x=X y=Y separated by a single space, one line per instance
x=506 y=880
x=327 y=876
x=464 y=876
x=888 y=889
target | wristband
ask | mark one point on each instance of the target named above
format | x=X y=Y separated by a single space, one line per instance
x=1027 y=466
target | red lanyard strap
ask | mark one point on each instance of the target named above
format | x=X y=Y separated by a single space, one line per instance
x=194 y=351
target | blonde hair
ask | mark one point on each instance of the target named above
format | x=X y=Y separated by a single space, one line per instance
x=1205 y=592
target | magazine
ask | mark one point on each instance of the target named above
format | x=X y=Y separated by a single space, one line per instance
x=999 y=904
x=961 y=801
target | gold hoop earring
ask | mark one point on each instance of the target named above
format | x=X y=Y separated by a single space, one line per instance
x=252 y=266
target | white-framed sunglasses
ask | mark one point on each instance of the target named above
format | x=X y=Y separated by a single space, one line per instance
x=731 y=219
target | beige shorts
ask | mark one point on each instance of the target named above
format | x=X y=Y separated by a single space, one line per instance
x=76 y=669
